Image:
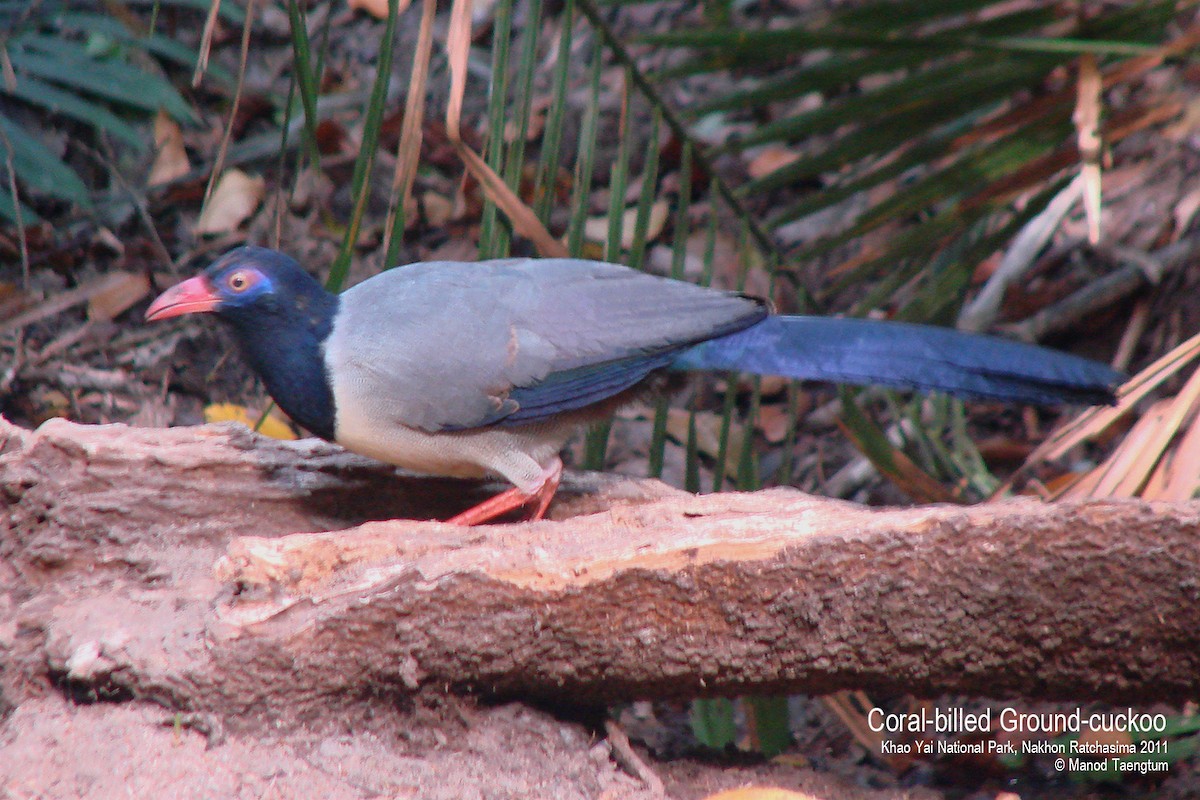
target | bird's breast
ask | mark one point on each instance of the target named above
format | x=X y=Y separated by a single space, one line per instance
x=366 y=425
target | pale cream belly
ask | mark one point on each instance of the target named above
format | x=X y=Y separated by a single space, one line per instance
x=518 y=454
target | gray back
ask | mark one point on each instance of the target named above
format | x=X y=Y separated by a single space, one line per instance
x=444 y=344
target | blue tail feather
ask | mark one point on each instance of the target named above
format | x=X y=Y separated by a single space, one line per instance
x=867 y=352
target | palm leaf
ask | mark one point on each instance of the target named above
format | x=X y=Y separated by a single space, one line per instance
x=61 y=101
x=57 y=70
x=153 y=43
x=41 y=169
x=68 y=64
x=231 y=11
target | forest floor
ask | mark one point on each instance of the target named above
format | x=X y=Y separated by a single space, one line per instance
x=73 y=345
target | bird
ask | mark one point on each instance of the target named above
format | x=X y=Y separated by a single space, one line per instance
x=486 y=369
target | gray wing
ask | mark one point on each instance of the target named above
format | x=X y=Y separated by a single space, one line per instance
x=452 y=345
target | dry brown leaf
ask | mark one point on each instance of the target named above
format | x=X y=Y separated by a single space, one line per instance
x=1105 y=739
x=1131 y=468
x=770 y=159
x=724 y=246
x=412 y=128
x=1087 y=131
x=1059 y=486
x=595 y=229
x=58 y=303
x=773 y=422
x=206 y=37
x=12 y=300
x=122 y=290
x=458 y=50
x=106 y=238
x=1017 y=183
x=538 y=112
x=524 y=221
x=770 y=385
x=867 y=253
x=1178 y=409
x=332 y=138
x=171 y=160
x=1126 y=180
x=534 y=124
x=235 y=198
x=1003 y=449
x=1179 y=476
x=708 y=436
x=1157 y=482
x=1126 y=469
x=1184 y=211
x=986 y=268
x=1093 y=422
x=1156 y=455
x=438 y=209
x=1188 y=124
x=456 y=248
x=851 y=709
x=905 y=473
x=1124 y=71
x=377 y=8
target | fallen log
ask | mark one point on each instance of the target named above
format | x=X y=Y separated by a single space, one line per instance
x=225 y=573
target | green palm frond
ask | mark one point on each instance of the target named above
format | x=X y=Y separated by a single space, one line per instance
x=881 y=95
x=914 y=126
x=69 y=61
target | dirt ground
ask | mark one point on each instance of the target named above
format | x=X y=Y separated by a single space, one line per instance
x=52 y=748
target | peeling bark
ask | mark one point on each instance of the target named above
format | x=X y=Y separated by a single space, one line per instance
x=191 y=585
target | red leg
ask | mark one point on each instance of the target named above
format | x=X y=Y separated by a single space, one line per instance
x=514 y=498
x=546 y=493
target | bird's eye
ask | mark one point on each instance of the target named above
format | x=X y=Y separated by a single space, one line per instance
x=238 y=281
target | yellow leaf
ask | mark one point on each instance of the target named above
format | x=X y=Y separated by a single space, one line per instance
x=232 y=412
x=760 y=793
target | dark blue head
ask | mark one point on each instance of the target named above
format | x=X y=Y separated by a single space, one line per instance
x=280 y=315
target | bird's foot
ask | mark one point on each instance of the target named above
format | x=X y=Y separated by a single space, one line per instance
x=515 y=498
